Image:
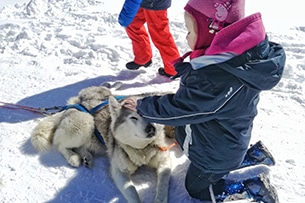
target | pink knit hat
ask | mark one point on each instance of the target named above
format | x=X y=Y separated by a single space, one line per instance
x=212 y=15
x=227 y=11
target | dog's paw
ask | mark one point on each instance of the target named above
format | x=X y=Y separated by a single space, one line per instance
x=88 y=161
x=75 y=160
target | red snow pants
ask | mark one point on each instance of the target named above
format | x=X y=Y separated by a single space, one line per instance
x=158 y=28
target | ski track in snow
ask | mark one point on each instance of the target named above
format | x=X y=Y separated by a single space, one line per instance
x=50 y=50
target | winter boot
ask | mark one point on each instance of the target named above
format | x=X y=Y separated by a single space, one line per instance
x=248 y=183
x=233 y=191
x=260 y=189
x=161 y=71
x=256 y=189
x=134 y=66
x=258 y=154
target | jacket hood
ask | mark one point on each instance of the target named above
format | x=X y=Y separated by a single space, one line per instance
x=260 y=67
x=243 y=50
x=239 y=36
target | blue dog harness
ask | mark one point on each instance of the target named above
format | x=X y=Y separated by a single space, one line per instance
x=80 y=107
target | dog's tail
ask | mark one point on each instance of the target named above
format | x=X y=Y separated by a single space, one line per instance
x=42 y=135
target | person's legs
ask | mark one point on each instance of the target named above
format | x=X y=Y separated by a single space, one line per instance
x=158 y=27
x=249 y=182
x=141 y=47
x=197 y=183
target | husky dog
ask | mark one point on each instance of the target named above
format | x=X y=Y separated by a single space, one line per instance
x=130 y=141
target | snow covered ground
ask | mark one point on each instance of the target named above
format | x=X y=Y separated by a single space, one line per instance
x=49 y=50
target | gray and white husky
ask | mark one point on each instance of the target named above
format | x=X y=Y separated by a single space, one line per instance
x=130 y=141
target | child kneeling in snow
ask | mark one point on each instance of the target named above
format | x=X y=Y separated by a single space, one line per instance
x=213 y=110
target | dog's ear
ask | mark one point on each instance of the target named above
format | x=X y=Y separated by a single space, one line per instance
x=114 y=107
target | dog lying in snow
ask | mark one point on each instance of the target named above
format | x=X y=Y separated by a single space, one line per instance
x=130 y=142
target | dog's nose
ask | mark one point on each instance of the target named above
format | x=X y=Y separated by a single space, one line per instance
x=150 y=130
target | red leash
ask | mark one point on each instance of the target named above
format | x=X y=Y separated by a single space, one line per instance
x=26 y=108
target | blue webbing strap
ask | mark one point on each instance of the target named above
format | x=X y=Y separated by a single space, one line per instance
x=92 y=111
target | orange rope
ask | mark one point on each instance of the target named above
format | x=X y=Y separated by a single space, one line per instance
x=168 y=147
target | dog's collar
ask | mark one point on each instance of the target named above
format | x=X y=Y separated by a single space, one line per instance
x=165 y=148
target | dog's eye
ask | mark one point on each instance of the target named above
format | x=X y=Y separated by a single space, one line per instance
x=134 y=118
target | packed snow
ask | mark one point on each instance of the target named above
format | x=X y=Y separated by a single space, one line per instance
x=50 y=50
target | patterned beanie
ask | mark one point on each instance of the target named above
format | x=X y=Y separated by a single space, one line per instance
x=212 y=15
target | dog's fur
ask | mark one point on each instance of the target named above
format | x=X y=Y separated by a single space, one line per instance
x=131 y=142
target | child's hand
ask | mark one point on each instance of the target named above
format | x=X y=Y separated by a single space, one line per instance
x=131 y=103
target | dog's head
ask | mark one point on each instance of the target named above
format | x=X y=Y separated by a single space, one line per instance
x=130 y=128
x=90 y=96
